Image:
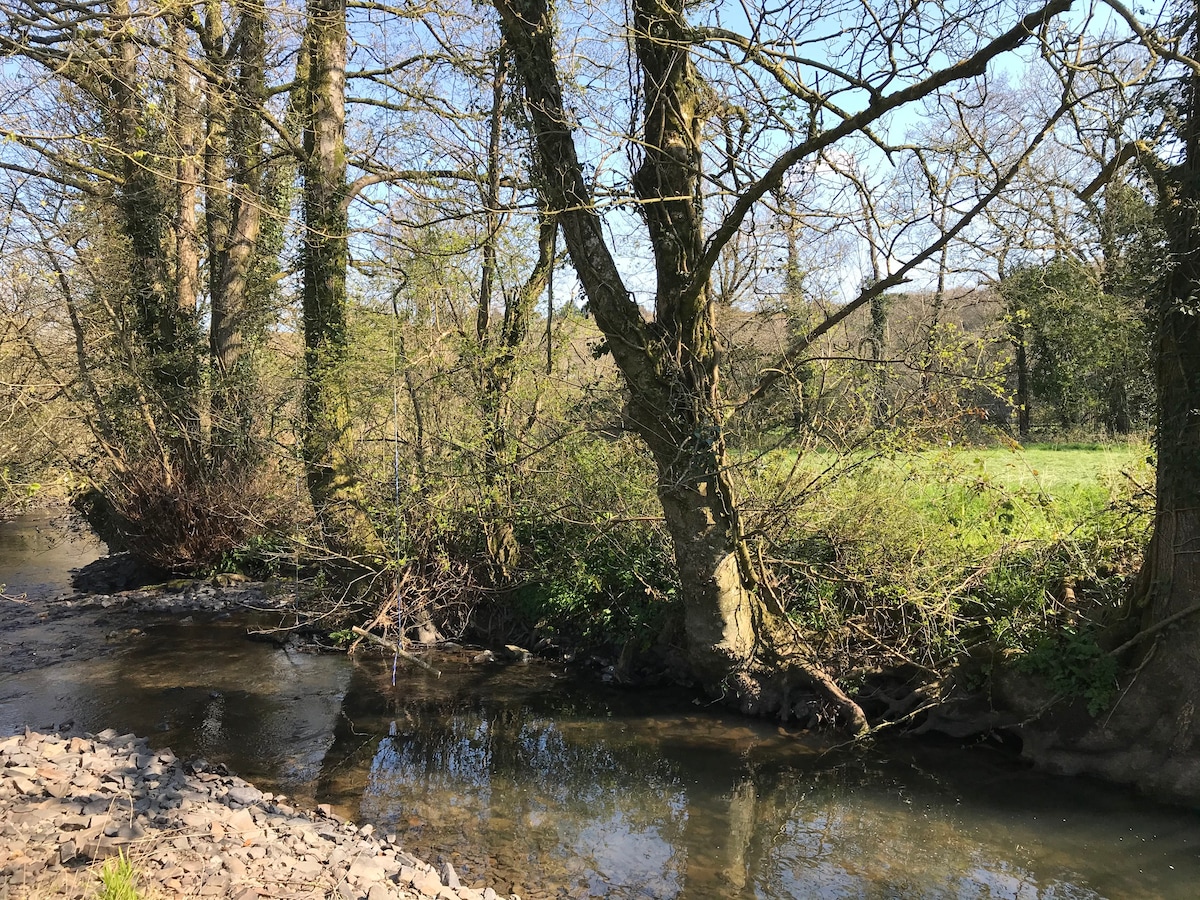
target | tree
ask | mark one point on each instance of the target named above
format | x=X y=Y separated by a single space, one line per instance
x=157 y=178
x=740 y=642
x=327 y=432
x=1151 y=735
x=1082 y=351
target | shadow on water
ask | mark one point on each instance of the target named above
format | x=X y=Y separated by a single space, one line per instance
x=39 y=549
x=524 y=776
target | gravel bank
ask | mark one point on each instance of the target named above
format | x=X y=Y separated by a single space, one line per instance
x=69 y=802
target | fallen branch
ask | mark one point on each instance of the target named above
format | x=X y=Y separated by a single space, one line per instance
x=1154 y=629
x=403 y=654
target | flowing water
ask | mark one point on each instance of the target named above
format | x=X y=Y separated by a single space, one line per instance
x=39 y=549
x=533 y=779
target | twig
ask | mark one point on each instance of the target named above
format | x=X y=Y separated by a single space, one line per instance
x=1156 y=627
x=403 y=654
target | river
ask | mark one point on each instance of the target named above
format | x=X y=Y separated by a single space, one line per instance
x=534 y=777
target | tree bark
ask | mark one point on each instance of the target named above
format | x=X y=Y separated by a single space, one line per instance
x=669 y=365
x=187 y=124
x=232 y=264
x=328 y=433
x=164 y=326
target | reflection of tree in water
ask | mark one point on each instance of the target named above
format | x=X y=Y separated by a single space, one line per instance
x=207 y=691
x=858 y=831
x=512 y=790
x=565 y=793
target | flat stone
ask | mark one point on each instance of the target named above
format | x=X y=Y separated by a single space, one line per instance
x=58 y=789
x=67 y=851
x=215 y=886
x=367 y=868
x=235 y=866
x=241 y=822
x=307 y=868
x=427 y=883
x=27 y=787
x=244 y=794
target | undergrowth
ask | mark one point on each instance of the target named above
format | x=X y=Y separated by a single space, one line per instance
x=918 y=558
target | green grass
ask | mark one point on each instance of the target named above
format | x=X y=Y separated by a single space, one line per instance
x=1053 y=469
x=937 y=549
x=118 y=880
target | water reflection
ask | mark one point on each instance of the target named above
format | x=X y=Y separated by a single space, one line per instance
x=533 y=782
x=38 y=550
x=563 y=790
x=203 y=691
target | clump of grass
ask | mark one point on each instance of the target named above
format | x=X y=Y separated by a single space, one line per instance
x=118 y=879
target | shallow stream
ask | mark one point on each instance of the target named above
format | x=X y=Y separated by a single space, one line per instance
x=529 y=777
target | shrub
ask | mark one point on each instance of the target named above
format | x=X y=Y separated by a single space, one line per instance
x=189 y=522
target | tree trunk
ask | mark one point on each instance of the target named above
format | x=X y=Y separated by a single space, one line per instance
x=328 y=434
x=737 y=644
x=166 y=331
x=241 y=142
x=187 y=124
x=1024 y=398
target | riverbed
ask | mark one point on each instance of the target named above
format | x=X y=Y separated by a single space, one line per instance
x=541 y=780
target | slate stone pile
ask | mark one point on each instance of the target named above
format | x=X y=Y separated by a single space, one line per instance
x=67 y=803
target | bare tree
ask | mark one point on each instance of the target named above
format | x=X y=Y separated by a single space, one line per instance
x=843 y=80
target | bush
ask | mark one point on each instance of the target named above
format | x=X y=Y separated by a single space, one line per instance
x=188 y=522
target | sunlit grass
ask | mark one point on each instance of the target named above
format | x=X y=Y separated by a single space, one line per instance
x=119 y=880
x=936 y=547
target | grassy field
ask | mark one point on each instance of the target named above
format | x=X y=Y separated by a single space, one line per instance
x=1056 y=469
x=962 y=541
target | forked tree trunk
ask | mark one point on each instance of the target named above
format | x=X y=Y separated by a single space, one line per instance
x=738 y=646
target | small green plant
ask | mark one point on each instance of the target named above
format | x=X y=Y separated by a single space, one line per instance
x=343 y=637
x=119 y=880
x=1075 y=666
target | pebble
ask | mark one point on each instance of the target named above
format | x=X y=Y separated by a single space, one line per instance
x=191 y=830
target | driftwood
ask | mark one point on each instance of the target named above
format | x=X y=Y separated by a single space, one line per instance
x=403 y=654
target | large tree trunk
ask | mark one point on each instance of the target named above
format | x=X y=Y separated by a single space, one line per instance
x=738 y=645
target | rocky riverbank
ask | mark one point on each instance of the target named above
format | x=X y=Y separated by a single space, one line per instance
x=68 y=802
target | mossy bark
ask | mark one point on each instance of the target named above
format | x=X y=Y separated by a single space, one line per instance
x=328 y=432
